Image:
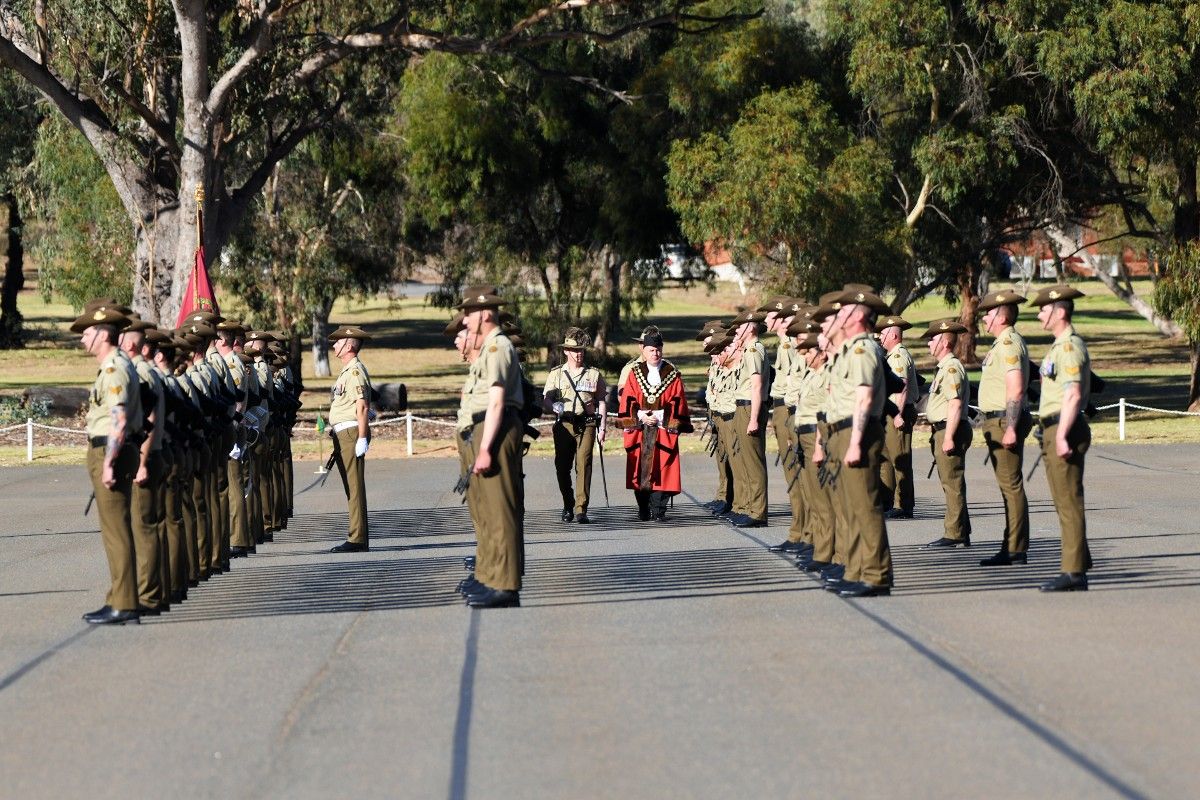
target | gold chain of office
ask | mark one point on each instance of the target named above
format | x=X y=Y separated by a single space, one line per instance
x=652 y=393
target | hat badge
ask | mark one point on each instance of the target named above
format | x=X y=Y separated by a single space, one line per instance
x=860 y=297
x=99 y=315
x=481 y=298
x=1001 y=296
x=1053 y=294
x=779 y=306
x=944 y=326
x=836 y=306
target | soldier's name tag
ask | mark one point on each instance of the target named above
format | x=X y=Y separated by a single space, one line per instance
x=585 y=386
x=1047 y=369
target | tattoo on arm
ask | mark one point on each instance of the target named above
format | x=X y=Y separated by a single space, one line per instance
x=116 y=436
x=860 y=419
x=1012 y=411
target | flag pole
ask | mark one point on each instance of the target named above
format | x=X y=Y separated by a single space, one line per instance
x=199 y=239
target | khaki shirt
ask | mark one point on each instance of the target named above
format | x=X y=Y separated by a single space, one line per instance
x=221 y=370
x=900 y=361
x=723 y=400
x=577 y=399
x=812 y=395
x=753 y=362
x=237 y=371
x=352 y=384
x=1008 y=353
x=858 y=363
x=496 y=365
x=785 y=357
x=949 y=383
x=116 y=385
x=147 y=373
x=266 y=383
x=1066 y=362
x=798 y=369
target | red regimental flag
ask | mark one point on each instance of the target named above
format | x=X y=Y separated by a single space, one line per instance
x=199 y=295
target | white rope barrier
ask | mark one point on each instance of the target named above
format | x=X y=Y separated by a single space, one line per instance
x=409 y=418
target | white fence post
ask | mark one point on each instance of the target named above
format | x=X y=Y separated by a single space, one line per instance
x=408 y=430
x=29 y=438
x=1121 y=419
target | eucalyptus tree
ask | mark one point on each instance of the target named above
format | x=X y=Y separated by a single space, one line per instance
x=210 y=96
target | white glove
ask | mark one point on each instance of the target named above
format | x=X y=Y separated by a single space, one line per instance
x=558 y=408
x=360 y=447
x=236 y=453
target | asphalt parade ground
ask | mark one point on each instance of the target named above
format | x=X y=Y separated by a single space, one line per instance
x=647 y=661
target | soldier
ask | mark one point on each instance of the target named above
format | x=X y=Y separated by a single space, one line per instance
x=721 y=408
x=577 y=396
x=161 y=350
x=895 y=471
x=854 y=422
x=1007 y=421
x=241 y=538
x=147 y=510
x=266 y=449
x=710 y=335
x=653 y=414
x=750 y=385
x=946 y=411
x=114 y=412
x=810 y=394
x=349 y=400
x=490 y=429
x=1066 y=390
x=789 y=369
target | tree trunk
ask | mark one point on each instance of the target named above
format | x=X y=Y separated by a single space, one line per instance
x=320 y=346
x=295 y=345
x=1165 y=326
x=968 y=292
x=610 y=319
x=1187 y=203
x=14 y=280
x=154 y=260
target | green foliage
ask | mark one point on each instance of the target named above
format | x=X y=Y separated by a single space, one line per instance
x=18 y=130
x=14 y=412
x=1177 y=295
x=81 y=236
x=790 y=184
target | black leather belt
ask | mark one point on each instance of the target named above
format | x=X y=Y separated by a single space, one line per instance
x=742 y=402
x=776 y=402
x=939 y=426
x=840 y=425
x=803 y=429
x=1049 y=419
x=993 y=414
x=574 y=419
x=725 y=417
x=97 y=441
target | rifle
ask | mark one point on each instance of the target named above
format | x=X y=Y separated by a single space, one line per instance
x=603 y=477
x=88 y=507
x=461 y=486
x=328 y=463
x=1037 y=434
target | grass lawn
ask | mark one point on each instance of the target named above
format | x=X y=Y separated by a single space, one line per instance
x=1137 y=363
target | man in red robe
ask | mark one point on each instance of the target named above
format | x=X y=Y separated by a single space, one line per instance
x=653 y=413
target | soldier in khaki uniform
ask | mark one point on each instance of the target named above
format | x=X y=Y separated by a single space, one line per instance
x=854 y=424
x=1007 y=421
x=946 y=411
x=780 y=311
x=349 y=399
x=895 y=470
x=114 y=411
x=241 y=540
x=811 y=397
x=1066 y=372
x=148 y=504
x=716 y=342
x=489 y=425
x=575 y=394
x=748 y=448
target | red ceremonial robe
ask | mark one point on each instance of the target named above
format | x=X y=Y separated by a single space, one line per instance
x=663 y=452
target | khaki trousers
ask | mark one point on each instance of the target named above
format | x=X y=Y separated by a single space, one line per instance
x=856 y=493
x=116 y=531
x=1065 y=476
x=895 y=467
x=201 y=480
x=218 y=502
x=952 y=471
x=749 y=465
x=352 y=468
x=573 y=446
x=785 y=440
x=724 y=433
x=144 y=515
x=264 y=477
x=818 y=511
x=1008 y=466
x=497 y=508
x=191 y=517
x=236 y=473
x=177 y=538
